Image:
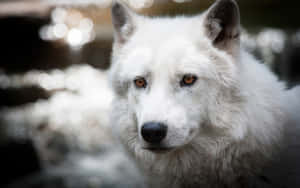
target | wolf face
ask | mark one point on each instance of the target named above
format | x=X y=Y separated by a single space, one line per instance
x=185 y=91
x=181 y=65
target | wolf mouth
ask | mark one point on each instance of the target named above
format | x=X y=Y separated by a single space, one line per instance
x=158 y=149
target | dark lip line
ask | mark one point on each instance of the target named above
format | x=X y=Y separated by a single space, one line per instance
x=158 y=149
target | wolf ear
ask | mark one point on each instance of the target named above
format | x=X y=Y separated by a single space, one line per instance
x=123 y=21
x=222 y=25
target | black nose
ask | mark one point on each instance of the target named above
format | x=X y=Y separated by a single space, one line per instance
x=154 y=132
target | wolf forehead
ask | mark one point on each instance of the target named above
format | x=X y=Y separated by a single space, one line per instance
x=179 y=54
x=180 y=42
x=161 y=37
x=153 y=31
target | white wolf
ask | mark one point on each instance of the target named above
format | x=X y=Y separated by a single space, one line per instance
x=190 y=104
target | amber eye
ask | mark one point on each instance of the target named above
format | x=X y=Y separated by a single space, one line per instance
x=140 y=83
x=188 y=80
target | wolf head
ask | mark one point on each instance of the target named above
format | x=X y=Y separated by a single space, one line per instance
x=187 y=96
x=173 y=76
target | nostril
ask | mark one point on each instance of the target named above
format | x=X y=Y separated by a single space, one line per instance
x=153 y=132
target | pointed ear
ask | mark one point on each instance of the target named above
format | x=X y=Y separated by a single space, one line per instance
x=222 y=25
x=123 y=21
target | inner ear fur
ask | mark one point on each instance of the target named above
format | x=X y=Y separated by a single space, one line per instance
x=222 y=24
x=123 y=20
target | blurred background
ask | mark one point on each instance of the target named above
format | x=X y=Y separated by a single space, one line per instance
x=54 y=98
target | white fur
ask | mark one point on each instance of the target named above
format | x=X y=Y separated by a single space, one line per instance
x=225 y=129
